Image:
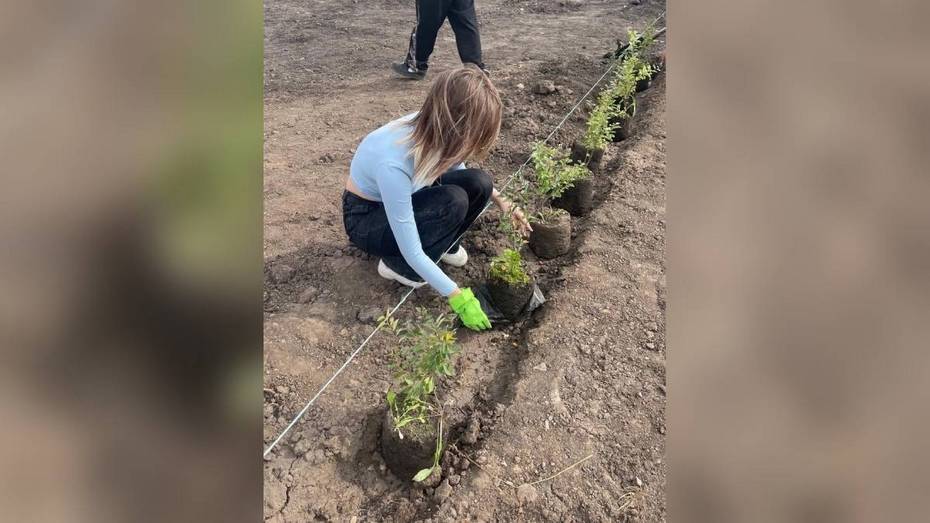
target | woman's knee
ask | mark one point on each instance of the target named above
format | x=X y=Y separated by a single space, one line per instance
x=484 y=182
x=456 y=202
x=476 y=182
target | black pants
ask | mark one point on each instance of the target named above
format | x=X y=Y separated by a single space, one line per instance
x=430 y=16
x=443 y=212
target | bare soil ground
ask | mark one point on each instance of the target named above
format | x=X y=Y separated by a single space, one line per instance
x=584 y=376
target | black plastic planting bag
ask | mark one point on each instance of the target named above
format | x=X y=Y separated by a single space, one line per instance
x=495 y=316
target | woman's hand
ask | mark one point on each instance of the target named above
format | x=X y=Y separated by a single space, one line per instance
x=464 y=303
x=520 y=222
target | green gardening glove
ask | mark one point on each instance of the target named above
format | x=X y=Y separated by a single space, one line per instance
x=469 y=310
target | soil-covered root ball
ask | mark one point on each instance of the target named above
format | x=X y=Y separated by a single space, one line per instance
x=623 y=128
x=591 y=158
x=414 y=452
x=623 y=123
x=552 y=238
x=657 y=61
x=577 y=199
x=509 y=299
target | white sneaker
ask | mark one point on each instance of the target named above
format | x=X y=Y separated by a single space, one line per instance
x=456 y=259
x=385 y=272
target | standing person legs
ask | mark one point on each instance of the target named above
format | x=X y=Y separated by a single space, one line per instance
x=464 y=23
x=430 y=16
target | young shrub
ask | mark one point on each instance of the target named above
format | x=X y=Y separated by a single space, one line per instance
x=623 y=85
x=564 y=183
x=640 y=43
x=424 y=355
x=422 y=358
x=508 y=267
x=551 y=234
x=600 y=129
x=555 y=173
x=509 y=285
x=627 y=80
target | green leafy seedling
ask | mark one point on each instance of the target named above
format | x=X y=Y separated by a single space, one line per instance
x=508 y=266
x=555 y=173
x=424 y=355
x=601 y=125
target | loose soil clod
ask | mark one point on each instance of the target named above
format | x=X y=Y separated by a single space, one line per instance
x=551 y=240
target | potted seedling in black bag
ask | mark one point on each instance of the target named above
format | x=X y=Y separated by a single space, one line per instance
x=642 y=71
x=623 y=88
x=640 y=47
x=552 y=233
x=551 y=236
x=568 y=185
x=589 y=150
x=509 y=283
x=412 y=433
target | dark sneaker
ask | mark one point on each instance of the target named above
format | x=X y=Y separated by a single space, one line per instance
x=409 y=72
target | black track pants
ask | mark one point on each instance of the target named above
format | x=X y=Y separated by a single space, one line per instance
x=430 y=16
x=443 y=212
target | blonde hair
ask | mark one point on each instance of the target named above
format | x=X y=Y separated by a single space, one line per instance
x=460 y=119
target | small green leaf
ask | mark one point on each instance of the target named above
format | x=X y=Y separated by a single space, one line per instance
x=423 y=474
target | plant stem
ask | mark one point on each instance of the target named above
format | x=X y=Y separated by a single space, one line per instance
x=566 y=469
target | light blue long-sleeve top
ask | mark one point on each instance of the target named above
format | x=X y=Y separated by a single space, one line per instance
x=382 y=170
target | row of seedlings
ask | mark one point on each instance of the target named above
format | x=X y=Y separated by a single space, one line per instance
x=561 y=189
x=563 y=183
x=413 y=433
x=638 y=66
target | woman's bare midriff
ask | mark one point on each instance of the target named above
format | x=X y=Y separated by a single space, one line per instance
x=350 y=186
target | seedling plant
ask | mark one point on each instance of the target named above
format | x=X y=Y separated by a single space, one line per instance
x=423 y=357
x=601 y=122
x=617 y=101
x=508 y=266
x=640 y=43
x=555 y=172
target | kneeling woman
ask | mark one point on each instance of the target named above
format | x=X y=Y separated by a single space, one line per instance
x=409 y=197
